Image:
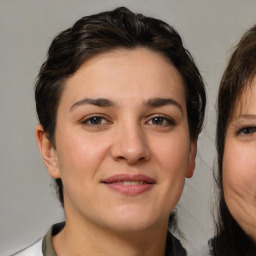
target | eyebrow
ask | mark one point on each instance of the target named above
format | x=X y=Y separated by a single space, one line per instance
x=100 y=102
x=161 y=102
x=245 y=117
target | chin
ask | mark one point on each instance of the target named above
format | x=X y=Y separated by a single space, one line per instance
x=131 y=226
x=135 y=221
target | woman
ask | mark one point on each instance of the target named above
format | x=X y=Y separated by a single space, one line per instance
x=120 y=104
x=236 y=146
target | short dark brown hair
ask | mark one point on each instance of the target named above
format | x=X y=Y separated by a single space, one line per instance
x=103 y=32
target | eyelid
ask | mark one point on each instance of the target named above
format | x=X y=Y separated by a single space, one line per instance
x=251 y=129
x=240 y=127
x=170 y=120
x=85 y=119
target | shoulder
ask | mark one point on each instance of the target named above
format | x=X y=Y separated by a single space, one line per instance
x=33 y=250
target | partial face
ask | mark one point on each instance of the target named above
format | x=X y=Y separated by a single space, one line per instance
x=122 y=141
x=239 y=162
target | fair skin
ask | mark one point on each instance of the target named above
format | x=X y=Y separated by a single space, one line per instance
x=239 y=162
x=123 y=151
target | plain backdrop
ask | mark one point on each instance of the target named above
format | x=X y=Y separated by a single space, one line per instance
x=28 y=205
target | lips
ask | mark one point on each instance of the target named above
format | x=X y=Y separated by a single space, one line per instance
x=125 y=177
x=126 y=183
x=129 y=184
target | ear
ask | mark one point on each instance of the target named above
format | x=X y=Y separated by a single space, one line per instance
x=47 y=151
x=192 y=158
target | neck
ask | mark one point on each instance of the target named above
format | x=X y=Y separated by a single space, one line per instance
x=80 y=240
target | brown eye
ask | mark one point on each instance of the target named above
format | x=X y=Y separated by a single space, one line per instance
x=94 y=121
x=157 y=120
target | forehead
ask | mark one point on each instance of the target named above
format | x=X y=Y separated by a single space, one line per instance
x=145 y=60
x=246 y=100
x=136 y=73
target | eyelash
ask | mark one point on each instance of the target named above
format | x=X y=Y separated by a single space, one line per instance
x=169 y=121
x=247 y=131
x=96 y=120
x=92 y=119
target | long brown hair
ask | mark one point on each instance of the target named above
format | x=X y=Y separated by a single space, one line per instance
x=230 y=239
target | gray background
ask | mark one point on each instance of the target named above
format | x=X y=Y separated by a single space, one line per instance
x=28 y=205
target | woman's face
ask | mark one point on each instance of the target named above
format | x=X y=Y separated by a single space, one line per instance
x=239 y=162
x=123 y=148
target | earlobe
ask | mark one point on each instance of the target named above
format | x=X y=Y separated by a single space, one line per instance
x=47 y=151
x=192 y=158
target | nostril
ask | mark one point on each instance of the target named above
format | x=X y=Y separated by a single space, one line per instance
x=131 y=160
x=121 y=157
x=130 y=150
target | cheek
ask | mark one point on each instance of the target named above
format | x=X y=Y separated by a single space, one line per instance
x=80 y=165
x=172 y=155
x=173 y=162
x=239 y=171
x=173 y=151
x=80 y=155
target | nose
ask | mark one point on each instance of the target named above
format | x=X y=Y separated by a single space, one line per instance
x=130 y=145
